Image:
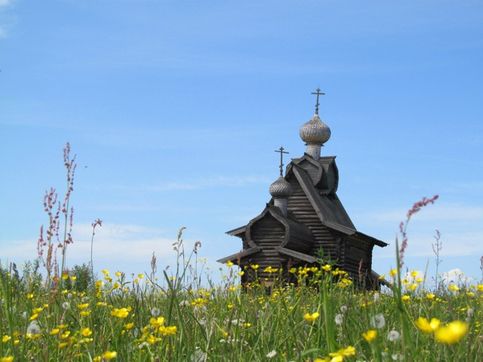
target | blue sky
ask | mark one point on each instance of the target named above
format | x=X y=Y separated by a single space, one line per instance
x=174 y=109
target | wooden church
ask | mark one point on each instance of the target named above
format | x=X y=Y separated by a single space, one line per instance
x=304 y=216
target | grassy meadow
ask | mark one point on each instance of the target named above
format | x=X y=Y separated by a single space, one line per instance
x=51 y=313
x=170 y=318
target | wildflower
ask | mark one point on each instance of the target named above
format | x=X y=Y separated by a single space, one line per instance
x=129 y=326
x=229 y=264
x=255 y=266
x=327 y=267
x=6 y=338
x=83 y=306
x=199 y=302
x=430 y=296
x=393 y=336
x=427 y=326
x=343 y=308
x=157 y=322
x=54 y=331
x=453 y=288
x=120 y=312
x=155 y=312
x=33 y=328
x=6 y=359
x=406 y=298
x=452 y=332
x=86 y=332
x=167 y=331
x=65 y=305
x=393 y=272
x=310 y=318
x=108 y=355
x=378 y=321
x=271 y=354
x=370 y=335
x=339 y=319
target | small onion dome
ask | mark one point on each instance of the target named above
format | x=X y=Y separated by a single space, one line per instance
x=280 y=188
x=315 y=131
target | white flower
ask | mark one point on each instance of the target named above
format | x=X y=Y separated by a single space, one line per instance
x=69 y=295
x=376 y=297
x=470 y=312
x=271 y=354
x=24 y=315
x=378 y=321
x=343 y=308
x=184 y=303
x=65 y=305
x=155 y=311
x=339 y=318
x=199 y=356
x=397 y=357
x=393 y=336
x=33 y=328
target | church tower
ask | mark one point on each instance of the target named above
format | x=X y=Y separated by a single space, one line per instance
x=305 y=218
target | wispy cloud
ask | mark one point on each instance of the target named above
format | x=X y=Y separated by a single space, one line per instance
x=5 y=2
x=113 y=244
x=436 y=213
x=197 y=184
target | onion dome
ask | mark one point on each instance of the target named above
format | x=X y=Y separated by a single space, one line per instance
x=315 y=131
x=280 y=188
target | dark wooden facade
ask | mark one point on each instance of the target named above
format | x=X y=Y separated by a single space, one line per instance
x=314 y=219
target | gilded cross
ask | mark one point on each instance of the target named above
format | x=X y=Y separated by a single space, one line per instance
x=281 y=150
x=317 y=93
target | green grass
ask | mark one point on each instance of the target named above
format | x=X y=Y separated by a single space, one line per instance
x=171 y=322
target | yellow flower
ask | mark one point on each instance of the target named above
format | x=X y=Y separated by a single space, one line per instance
x=241 y=273
x=167 y=331
x=85 y=313
x=480 y=287
x=86 y=332
x=229 y=264
x=65 y=276
x=393 y=272
x=108 y=355
x=157 y=322
x=453 y=288
x=140 y=276
x=254 y=266
x=6 y=359
x=430 y=296
x=405 y=298
x=54 y=331
x=310 y=318
x=270 y=269
x=452 y=332
x=30 y=296
x=34 y=316
x=83 y=306
x=6 y=338
x=73 y=278
x=128 y=326
x=327 y=267
x=427 y=326
x=370 y=335
x=118 y=274
x=120 y=312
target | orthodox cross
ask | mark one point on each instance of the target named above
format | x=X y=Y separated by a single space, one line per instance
x=281 y=150
x=317 y=93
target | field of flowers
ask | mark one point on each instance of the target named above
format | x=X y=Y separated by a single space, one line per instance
x=71 y=315
x=136 y=318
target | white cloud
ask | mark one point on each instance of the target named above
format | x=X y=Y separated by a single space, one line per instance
x=436 y=213
x=114 y=244
x=454 y=244
x=455 y=276
x=4 y=2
